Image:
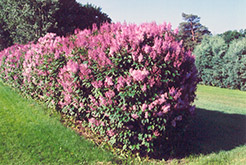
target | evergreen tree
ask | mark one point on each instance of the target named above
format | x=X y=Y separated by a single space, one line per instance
x=220 y=64
x=192 y=31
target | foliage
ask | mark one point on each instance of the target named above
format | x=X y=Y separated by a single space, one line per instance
x=220 y=64
x=72 y=15
x=229 y=36
x=192 y=31
x=5 y=40
x=133 y=84
x=25 y=21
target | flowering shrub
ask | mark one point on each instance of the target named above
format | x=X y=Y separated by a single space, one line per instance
x=133 y=84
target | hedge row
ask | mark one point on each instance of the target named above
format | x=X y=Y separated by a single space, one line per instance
x=133 y=84
x=220 y=64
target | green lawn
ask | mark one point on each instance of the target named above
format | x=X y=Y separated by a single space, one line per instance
x=29 y=135
x=218 y=132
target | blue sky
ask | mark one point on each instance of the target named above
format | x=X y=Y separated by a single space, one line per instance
x=218 y=15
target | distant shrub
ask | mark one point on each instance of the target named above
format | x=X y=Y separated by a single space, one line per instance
x=235 y=65
x=220 y=64
x=133 y=84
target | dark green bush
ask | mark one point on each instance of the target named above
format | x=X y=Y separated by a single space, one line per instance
x=220 y=64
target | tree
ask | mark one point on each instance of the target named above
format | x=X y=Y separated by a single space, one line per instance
x=220 y=64
x=28 y=20
x=229 y=35
x=72 y=15
x=5 y=40
x=192 y=31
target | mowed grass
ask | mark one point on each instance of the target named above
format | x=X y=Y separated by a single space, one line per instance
x=218 y=132
x=29 y=135
x=222 y=100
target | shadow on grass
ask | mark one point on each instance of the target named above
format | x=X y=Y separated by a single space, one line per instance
x=211 y=131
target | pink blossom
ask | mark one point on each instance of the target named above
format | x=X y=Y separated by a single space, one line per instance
x=167 y=57
x=97 y=84
x=165 y=108
x=110 y=132
x=72 y=66
x=81 y=105
x=144 y=107
x=176 y=31
x=144 y=88
x=151 y=82
x=147 y=49
x=146 y=115
x=84 y=71
x=172 y=91
x=67 y=98
x=151 y=106
x=159 y=114
x=177 y=95
x=110 y=94
x=120 y=83
x=102 y=101
x=92 y=99
x=109 y=81
x=156 y=133
x=92 y=120
x=124 y=108
x=139 y=75
x=140 y=58
x=134 y=116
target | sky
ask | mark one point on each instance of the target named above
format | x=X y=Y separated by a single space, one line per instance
x=217 y=15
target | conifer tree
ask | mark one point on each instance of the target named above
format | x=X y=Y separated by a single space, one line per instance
x=192 y=31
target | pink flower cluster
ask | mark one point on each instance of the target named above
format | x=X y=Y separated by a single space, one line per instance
x=139 y=75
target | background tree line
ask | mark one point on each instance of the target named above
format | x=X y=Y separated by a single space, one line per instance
x=220 y=59
x=27 y=20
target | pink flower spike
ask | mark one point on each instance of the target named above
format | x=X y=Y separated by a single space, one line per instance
x=144 y=107
x=156 y=133
x=109 y=94
x=109 y=81
x=144 y=88
x=165 y=108
x=139 y=75
x=134 y=116
x=146 y=115
x=140 y=58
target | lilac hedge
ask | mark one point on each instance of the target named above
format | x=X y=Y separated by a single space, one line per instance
x=134 y=85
